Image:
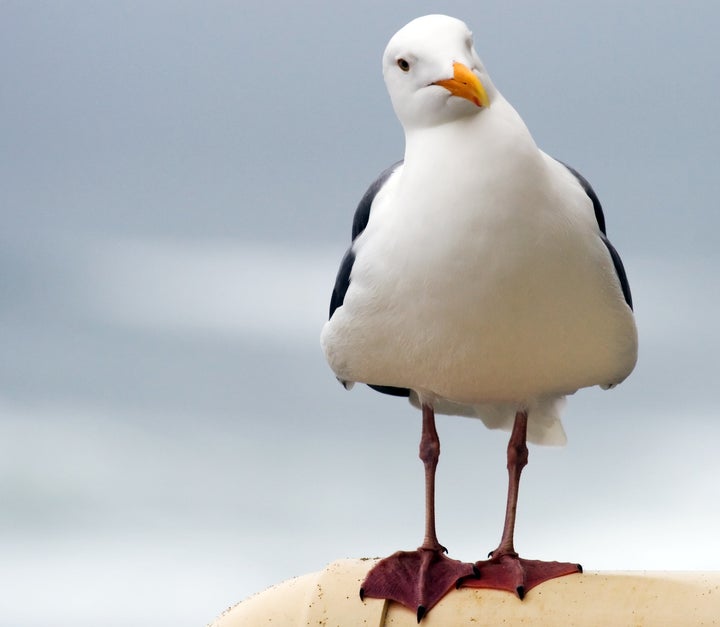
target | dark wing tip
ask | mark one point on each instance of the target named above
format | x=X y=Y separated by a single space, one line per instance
x=389 y=389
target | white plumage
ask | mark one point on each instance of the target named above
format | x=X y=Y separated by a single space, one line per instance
x=482 y=281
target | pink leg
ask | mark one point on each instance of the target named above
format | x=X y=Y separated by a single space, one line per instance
x=517 y=459
x=505 y=570
x=419 y=579
x=430 y=454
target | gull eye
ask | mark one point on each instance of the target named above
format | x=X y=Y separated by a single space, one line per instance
x=403 y=65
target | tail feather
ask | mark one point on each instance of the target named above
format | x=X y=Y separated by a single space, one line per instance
x=544 y=423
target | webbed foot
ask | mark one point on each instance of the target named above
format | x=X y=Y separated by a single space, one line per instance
x=511 y=572
x=416 y=579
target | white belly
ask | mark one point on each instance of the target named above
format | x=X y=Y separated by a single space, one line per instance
x=482 y=307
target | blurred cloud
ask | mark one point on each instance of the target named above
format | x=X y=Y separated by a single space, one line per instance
x=675 y=294
x=272 y=293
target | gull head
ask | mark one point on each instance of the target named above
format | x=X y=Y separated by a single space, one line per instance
x=433 y=74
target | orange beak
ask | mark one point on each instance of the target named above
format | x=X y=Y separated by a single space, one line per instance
x=465 y=84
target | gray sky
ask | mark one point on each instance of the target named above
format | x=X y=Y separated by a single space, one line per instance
x=178 y=183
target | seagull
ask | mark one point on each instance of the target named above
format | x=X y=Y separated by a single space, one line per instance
x=479 y=282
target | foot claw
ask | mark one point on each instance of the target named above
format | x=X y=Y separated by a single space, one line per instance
x=421 y=613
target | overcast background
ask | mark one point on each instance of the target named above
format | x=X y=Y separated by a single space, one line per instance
x=177 y=185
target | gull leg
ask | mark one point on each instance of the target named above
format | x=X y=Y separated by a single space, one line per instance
x=419 y=579
x=430 y=454
x=505 y=569
x=517 y=459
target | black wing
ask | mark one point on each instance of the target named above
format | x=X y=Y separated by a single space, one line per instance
x=342 y=281
x=360 y=220
x=620 y=269
x=600 y=217
x=362 y=213
x=597 y=207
